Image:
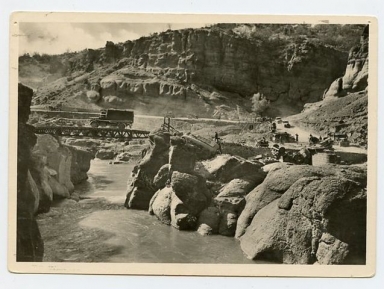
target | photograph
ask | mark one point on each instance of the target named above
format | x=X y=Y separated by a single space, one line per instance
x=171 y=144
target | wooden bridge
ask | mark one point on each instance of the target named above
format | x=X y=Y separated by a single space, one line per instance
x=99 y=132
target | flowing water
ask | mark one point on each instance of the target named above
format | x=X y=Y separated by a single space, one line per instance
x=142 y=237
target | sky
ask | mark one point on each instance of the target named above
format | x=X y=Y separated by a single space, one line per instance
x=57 y=38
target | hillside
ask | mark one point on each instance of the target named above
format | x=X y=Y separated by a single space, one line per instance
x=208 y=72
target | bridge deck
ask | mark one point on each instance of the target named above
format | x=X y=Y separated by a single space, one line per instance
x=99 y=132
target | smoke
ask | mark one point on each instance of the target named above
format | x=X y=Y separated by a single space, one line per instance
x=56 y=38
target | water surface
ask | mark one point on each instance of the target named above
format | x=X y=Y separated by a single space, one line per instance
x=142 y=237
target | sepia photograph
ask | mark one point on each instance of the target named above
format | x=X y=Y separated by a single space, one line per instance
x=193 y=144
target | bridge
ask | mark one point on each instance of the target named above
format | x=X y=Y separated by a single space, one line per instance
x=99 y=132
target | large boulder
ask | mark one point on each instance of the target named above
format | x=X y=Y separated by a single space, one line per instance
x=278 y=180
x=142 y=187
x=232 y=195
x=225 y=168
x=181 y=203
x=58 y=158
x=191 y=190
x=182 y=156
x=80 y=164
x=319 y=218
x=160 y=205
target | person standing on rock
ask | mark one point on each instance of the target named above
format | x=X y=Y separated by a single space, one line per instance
x=217 y=140
x=216 y=137
x=297 y=137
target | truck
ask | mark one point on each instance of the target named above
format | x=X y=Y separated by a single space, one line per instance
x=120 y=118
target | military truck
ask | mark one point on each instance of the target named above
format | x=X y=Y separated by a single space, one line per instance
x=120 y=118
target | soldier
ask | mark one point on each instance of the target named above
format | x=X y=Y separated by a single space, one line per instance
x=216 y=137
x=297 y=137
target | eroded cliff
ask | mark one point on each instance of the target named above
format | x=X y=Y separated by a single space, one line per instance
x=203 y=71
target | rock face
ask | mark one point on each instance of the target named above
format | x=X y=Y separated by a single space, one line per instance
x=57 y=168
x=142 y=188
x=305 y=214
x=29 y=247
x=345 y=105
x=180 y=192
x=356 y=73
x=197 y=68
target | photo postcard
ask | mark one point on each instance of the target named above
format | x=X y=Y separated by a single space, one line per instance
x=200 y=145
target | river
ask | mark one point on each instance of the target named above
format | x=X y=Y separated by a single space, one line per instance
x=142 y=237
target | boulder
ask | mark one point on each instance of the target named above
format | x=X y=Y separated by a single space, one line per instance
x=161 y=205
x=162 y=176
x=93 y=96
x=320 y=219
x=225 y=168
x=123 y=157
x=105 y=154
x=140 y=192
x=181 y=156
x=275 y=184
x=58 y=157
x=191 y=190
x=208 y=221
x=181 y=218
x=80 y=164
x=232 y=195
x=142 y=187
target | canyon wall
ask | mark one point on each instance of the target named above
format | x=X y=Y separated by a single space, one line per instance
x=195 y=71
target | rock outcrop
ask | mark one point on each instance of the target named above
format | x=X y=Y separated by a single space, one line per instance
x=57 y=168
x=142 y=188
x=305 y=214
x=181 y=192
x=356 y=73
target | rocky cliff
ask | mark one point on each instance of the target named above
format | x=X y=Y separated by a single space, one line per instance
x=197 y=71
x=345 y=105
x=356 y=73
